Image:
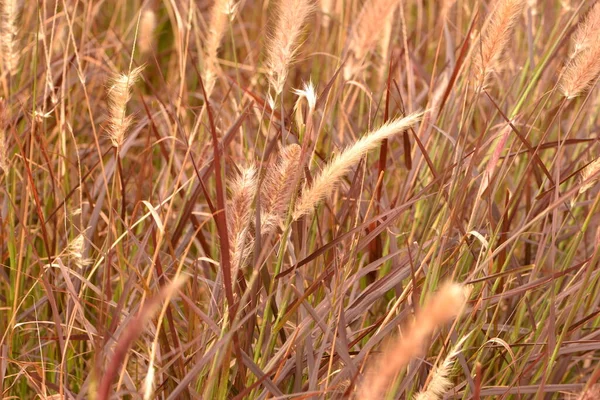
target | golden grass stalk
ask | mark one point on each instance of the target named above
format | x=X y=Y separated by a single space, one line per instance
x=326 y=182
x=589 y=172
x=584 y=65
x=495 y=38
x=587 y=31
x=291 y=16
x=439 y=383
x=146 y=33
x=222 y=12
x=119 y=94
x=367 y=31
x=440 y=309
x=8 y=40
x=278 y=187
x=239 y=212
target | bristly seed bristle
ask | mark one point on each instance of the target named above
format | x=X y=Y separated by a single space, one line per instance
x=494 y=39
x=239 y=212
x=283 y=46
x=440 y=309
x=277 y=188
x=583 y=67
x=330 y=176
x=119 y=94
x=8 y=29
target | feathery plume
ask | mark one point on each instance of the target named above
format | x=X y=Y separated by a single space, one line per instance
x=277 y=188
x=445 y=305
x=146 y=33
x=583 y=67
x=119 y=94
x=8 y=40
x=326 y=9
x=223 y=11
x=3 y=139
x=495 y=38
x=588 y=172
x=291 y=15
x=3 y=151
x=445 y=9
x=330 y=176
x=439 y=382
x=580 y=72
x=367 y=31
x=239 y=212
x=132 y=332
x=587 y=31
x=75 y=251
x=309 y=93
x=384 y=44
x=593 y=393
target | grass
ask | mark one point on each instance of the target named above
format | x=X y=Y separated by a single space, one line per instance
x=266 y=199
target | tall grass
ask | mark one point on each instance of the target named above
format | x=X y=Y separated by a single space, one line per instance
x=265 y=199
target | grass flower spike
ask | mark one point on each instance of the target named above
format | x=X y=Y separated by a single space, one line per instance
x=326 y=181
x=119 y=94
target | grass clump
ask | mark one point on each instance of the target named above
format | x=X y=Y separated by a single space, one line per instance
x=289 y=199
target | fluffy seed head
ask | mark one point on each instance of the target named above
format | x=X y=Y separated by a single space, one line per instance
x=326 y=7
x=367 y=31
x=587 y=31
x=8 y=37
x=588 y=172
x=439 y=382
x=330 y=176
x=222 y=12
x=3 y=151
x=495 y=38
x=146 y=33
x=239 y=212
x=592 y=393
x=75 y=251
x=277 y=188
x=119 y=94
x=445 y=305
x=290 y=19
x=308 y=92
x=583 y=67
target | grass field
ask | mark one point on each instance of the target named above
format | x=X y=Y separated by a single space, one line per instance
x=299 y=199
